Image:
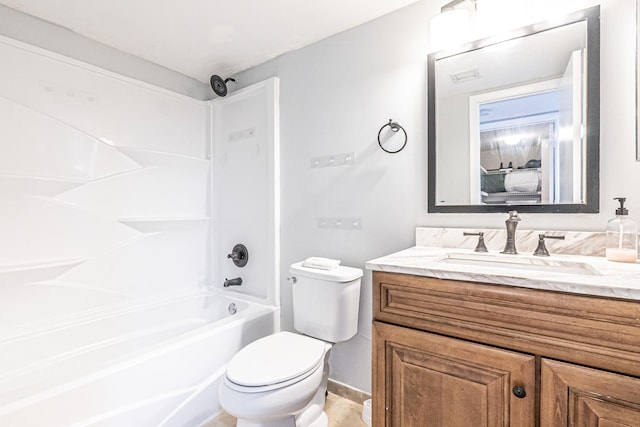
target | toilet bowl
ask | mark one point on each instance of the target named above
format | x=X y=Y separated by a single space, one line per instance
x=281 y=380
x=273 y=379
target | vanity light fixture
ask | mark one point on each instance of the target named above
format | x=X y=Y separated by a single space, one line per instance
x=459 y=20
x=452 y=26
x=497 y=16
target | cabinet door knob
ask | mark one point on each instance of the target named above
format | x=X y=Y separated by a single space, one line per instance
x=519 y=392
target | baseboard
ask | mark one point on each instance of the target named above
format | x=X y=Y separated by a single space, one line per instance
x=347 y=391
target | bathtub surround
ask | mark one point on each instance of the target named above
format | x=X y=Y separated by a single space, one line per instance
x=104 y=185
x=104 y=199
x=245 y=183
x=107 y=225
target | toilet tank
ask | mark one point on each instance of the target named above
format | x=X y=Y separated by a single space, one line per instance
x=326 y=302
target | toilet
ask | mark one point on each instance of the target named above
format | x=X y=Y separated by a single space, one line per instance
x=281 y=380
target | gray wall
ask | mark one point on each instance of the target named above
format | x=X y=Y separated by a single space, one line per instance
x=335 y=96
x=37 y=32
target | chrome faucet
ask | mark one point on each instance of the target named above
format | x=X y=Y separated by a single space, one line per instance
x=512 y=223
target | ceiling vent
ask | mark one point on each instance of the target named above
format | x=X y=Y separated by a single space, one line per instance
x=464 y=76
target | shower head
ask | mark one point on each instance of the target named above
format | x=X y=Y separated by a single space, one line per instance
x=219 y=85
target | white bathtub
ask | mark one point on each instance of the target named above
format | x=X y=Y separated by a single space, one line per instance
x=157 y=364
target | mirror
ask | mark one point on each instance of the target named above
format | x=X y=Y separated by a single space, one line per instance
x=513 y=121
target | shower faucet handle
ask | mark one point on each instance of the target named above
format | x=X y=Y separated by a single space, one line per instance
x=235 y=256
x=239 y=255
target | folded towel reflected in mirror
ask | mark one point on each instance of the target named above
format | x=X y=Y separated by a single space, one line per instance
x=523 y=181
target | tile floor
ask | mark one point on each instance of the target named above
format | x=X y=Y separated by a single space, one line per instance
x=342 y=412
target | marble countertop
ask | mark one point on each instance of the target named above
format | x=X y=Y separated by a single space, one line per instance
x=602 y=277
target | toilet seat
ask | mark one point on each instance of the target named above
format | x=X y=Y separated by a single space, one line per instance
x=275 y=361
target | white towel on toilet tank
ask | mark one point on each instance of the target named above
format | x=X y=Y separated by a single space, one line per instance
x=321 y=263
x=527 y=181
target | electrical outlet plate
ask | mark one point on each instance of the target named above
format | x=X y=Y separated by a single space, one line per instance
x=341 y=159
x=340 y=223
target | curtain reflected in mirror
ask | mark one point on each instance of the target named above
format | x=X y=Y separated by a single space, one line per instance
x=510 y=164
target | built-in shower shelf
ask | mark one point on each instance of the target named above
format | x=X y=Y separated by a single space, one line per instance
x=148 y=157
x=149 y=225
x=163 y=219
x=35 y=271
x=36 y=185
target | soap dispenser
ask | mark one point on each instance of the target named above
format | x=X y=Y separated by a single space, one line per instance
x=622 y=236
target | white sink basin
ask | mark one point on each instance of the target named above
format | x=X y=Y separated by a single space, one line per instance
x=519 y=262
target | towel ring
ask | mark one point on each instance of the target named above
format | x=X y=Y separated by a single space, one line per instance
x=395 y=127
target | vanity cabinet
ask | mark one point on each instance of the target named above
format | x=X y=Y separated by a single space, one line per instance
x=449 y=353
x=578 y=396
x=433 y=377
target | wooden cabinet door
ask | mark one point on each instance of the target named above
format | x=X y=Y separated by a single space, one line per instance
x=426 y=380
x=576 y=396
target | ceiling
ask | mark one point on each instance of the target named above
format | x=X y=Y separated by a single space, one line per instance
x=203 y=37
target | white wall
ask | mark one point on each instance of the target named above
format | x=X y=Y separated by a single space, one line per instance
x=336 y=94
x=104 y=187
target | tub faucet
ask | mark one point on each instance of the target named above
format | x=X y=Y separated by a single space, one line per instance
x=512 y=223
x=232 y=282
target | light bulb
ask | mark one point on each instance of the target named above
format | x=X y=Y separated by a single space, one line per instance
x=449 y=29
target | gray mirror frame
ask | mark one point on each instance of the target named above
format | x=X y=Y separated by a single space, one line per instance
x=592 y=205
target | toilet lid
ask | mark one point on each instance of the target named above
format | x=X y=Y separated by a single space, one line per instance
x=274 y=359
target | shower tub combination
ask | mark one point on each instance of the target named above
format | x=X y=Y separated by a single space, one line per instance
x=154 y=364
